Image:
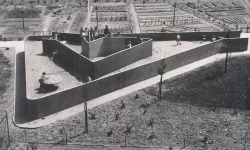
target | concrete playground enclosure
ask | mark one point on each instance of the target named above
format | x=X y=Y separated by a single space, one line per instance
x=108 y=62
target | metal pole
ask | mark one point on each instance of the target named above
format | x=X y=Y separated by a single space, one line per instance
x=89 y=19
x=198 y=8
x=160 y=86
x=174 y=13
x=125 y=140
x=8 y=131
x=23 y=19
x=226 y=55
x=96 y=16
x=86 y=117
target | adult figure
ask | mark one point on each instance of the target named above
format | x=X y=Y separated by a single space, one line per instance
x=178 y=39
x=91 y=32
x=106 y=30
x=42 y=81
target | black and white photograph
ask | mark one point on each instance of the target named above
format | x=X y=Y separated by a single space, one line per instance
x=124 y=75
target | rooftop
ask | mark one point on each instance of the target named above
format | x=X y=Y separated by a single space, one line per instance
x=39 y=63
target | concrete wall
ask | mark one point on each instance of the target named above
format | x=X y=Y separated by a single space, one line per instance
x=102 y=47
x=123 y=58
x=72 y=61
x=113 y=45
x=96 y=48
x=185 y=36
x=59 y=101
x=70 y=37
x=85 y=47
x=235 y=45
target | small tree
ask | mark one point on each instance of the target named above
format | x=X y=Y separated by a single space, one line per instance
x=160 y=72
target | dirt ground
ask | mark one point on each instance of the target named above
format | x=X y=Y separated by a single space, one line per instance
x=202 y=104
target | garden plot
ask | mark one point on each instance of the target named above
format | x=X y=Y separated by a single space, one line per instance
x=79 y=20
x=228 y=14
x=11 y=23
x=115 y=15
x=152 y=16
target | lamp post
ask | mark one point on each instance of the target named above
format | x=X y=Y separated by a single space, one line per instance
x=23 y=19
x=96 y=8
x=174 y=13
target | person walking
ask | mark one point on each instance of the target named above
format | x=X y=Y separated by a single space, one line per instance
x=178 y=39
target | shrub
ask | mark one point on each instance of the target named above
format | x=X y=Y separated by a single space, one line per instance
x=128 y=129
x=92 y=116
x=150 y=122
x=152 y=136
x=110 y=132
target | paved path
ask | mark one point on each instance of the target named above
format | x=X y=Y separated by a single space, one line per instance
x=86 y=21
x=135 y=22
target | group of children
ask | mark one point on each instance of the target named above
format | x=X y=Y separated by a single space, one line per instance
x=89 y=33
x=203 y=39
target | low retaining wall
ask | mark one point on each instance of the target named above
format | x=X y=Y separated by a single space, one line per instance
x=54 y=103
x=102 y=47
x=235 y=45
x=123 y=58
x=185 y=36
x=75 y=62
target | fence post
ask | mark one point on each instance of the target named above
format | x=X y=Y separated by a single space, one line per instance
x=245 y=145
x=125 y=140
x=8 y=131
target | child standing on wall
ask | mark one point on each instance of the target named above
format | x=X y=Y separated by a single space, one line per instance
x=178 y=39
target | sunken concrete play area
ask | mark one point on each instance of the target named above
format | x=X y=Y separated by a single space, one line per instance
x=106 y=61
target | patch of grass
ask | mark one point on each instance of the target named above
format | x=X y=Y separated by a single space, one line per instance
x=28 y=13
x=184 y=113
x=5 y=73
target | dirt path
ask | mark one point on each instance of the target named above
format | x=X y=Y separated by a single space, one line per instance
x=46 y=23
x=135 y=23
x=73 y=16
x=85 y=24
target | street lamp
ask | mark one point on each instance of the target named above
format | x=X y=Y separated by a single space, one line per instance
x=96 y=8
x=23 y=19
x=174 y=13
